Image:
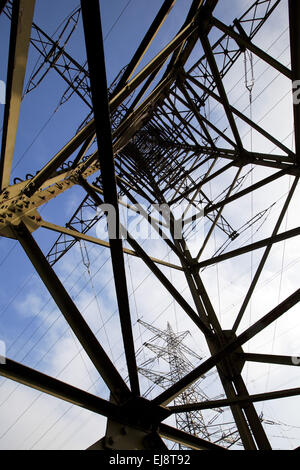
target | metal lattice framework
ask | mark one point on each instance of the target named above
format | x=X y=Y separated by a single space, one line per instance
x=151 y=139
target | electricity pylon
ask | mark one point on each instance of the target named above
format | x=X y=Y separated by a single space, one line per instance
x=150 y=137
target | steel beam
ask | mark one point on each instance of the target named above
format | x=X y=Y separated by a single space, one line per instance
x=254 y=421
x=253 y=246
x=246 y=42
x=268 y=359
x=97 y=241
x=181 y=437
x=180 y=56
x=265 y=256
x=168 y=395
x=221 y=89
x=32 y=378
x=294 y=15
x=82 y=152
x=154 y=224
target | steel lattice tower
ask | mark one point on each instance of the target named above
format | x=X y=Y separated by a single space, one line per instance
x=151 y=137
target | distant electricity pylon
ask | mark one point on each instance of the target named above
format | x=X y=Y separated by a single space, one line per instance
x=170 y=346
